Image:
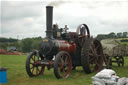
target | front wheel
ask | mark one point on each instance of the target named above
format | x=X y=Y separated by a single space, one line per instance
x=32 y=68
x=62 y=65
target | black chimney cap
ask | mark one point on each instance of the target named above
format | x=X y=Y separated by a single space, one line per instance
x=49 y=6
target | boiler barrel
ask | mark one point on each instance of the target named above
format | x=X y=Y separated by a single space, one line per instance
x=65 y=46
x=52 y=47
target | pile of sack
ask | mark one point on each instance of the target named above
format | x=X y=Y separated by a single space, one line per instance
x=108 y=77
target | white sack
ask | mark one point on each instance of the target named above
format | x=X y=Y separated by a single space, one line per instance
x=106 y=73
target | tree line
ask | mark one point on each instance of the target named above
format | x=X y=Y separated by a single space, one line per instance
x=4 y=40
x=24 y=45
x=112 y=35
x=30 y=44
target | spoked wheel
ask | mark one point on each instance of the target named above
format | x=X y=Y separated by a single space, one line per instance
x=120 y=60
x=108 y=61
x=92 y=56
x=62 y=65
x=32 y=68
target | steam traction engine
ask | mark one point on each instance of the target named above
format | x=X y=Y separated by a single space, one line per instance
x=64 y=50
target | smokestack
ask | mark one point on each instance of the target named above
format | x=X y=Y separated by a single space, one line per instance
x=49 y=17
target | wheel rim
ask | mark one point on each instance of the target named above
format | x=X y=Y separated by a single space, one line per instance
x=95 y=56
x=64 y=66
x=34 y=68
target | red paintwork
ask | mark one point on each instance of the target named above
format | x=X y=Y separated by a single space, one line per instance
x=66 y=46
x=5 y=52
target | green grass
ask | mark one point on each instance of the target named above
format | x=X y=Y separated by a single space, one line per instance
x=124 y=43
x=16 y=73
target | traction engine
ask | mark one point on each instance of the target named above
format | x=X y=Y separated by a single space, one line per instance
x=64 y=51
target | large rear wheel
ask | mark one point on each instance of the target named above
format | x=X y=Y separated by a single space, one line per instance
x=92 y=56
x=62 y=65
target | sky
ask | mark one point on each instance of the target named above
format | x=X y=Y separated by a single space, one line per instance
x=21 y=19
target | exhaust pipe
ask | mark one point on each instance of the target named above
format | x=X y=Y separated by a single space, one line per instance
x=49 y=20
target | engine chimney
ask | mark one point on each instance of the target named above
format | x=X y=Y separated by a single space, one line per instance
x=49 y=17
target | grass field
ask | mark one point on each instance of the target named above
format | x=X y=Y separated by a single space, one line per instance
x=126 y=43
x=16 y=73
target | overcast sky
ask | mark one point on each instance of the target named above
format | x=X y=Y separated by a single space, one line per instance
x=21 y=19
